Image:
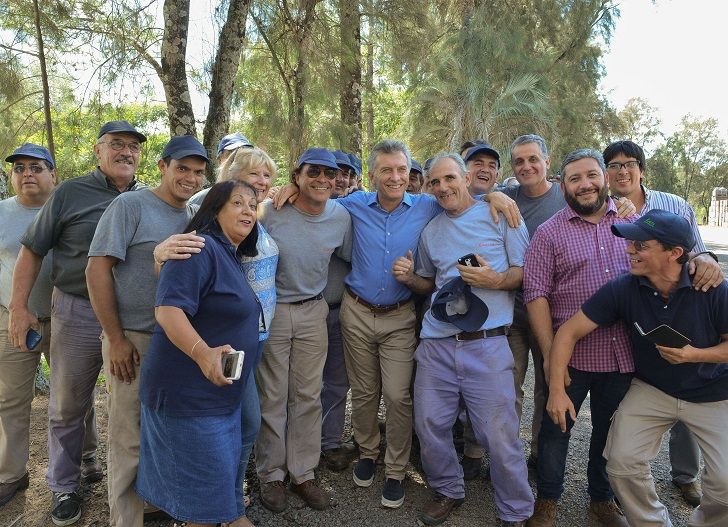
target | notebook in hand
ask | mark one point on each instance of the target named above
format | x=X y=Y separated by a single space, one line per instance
x=664 y=335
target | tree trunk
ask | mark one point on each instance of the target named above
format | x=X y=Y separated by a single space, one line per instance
x=44 y=79
x=174 y=73
x=224 y=70
x=369 y=76
x=350 y=74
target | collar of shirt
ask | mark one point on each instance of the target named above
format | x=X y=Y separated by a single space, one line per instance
x=104 y=180
x=683 y=282
x=611 y=209
x=373 y=199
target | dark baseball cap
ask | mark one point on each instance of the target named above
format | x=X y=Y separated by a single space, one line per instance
x=34 y=151
x=233 y=141
x=317 y=156
x=184 y=146
x=119 y=127
x=416 y=167
x=661 y=225
x=342 y=158
x=456 y=303
x=481 y=149
x=356 y=163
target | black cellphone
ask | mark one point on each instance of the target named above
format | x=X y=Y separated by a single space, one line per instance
x=469 y=259
x=32 y=339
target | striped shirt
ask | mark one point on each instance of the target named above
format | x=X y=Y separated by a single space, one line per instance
x=654 y=199
x=567 y=261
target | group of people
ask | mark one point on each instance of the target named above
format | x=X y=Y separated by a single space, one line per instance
x=429 y=292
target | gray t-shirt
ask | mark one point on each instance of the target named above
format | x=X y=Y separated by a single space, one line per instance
x=306 y=243
x=14 y=219
x=132 y=225
x=537 y=210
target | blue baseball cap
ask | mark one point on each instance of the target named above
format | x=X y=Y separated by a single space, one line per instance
x=121 y=127
x=233 y=141
x=356 y=163
x=342 y=158
x=481 y=149
x=416 y=167
x=318 y=156
x=184 y=146
x=456 y=303
x=34 y=151
x=661 y=225
x=428 y=163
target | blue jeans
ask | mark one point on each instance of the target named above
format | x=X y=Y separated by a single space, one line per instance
x=335 y=385
x=250 y=422
x=607 y=390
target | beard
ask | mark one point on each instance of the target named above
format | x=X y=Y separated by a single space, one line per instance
x=586 y=209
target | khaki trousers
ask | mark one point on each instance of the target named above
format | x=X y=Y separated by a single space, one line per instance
x=379 y=353
x=126 y=509
x=639 y=423
x=289 y=379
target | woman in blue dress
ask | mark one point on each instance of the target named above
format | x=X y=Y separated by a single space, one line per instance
x=190 y=413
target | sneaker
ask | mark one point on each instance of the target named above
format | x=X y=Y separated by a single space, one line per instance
x=65 y=508
x=273 y=496
x=438 y=509
x=312 y=494
x=8 y=490
x=338 y=459
x=364 y=472
x=393 y=494
x=91 y=470
x=471 y=467
x=691 y=492
x=609 y=513
x=544 y=513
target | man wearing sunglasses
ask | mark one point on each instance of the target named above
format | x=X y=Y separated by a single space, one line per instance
x=674 y=381
x=289 y=375
x=625 y=162
x=66 y=224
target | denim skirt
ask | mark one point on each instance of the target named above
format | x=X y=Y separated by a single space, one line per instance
x=189 y=466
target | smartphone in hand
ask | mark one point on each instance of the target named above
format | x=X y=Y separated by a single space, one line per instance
x=469 y=259
x=232 y=364
x=32 y=339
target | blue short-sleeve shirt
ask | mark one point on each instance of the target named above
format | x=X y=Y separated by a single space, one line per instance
x=212 y=291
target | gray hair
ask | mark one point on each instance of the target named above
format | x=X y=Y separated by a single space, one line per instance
x=388 y=146
x=582 y=153
x=530 y=138
x=449 y=155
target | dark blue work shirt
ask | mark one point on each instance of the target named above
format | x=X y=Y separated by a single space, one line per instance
x=214 y=294
x=702 y=317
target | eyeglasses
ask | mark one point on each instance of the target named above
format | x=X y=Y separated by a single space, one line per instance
x=119 y=145
x=616 y=167
x=639 y=246
x=20 y=169
x=314 y=171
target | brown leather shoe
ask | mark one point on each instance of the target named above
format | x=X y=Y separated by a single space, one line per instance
x=338 y=459
x=273 y=496
x=544 y=513
x=691 y=492
x=609 y=513
x=438 y=509
x=8 y=490
x=91 y=470
x=312 y=494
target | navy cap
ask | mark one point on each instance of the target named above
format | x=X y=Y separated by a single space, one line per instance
x=34 y=151
x=428 y=163
x=233 y=141
x=317 y=156
x=481 y=149
x=356 y=163
x=456 y=303
x=416 y=167
x=661 y=225
x=342 y=158
x=184 y=146
x=119 y=127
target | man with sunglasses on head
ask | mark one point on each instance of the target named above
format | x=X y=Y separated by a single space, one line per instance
x=66 y=224
x=289 y=375
x=625 y=162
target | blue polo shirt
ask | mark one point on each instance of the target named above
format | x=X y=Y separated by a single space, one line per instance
x=702 y=317
x=380 y=237
x=214 y=294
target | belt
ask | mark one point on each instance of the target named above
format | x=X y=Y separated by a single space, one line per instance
x=475 y=335
x=377 y=308
x=299 y=302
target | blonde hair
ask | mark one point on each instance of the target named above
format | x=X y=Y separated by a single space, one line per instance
x=246 y=158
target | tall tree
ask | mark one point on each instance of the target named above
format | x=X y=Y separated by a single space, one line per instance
x=350 y=74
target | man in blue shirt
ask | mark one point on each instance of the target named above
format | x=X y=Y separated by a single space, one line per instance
x=687 y=384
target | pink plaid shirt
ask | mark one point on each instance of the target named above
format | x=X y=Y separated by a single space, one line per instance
x=567 y=261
